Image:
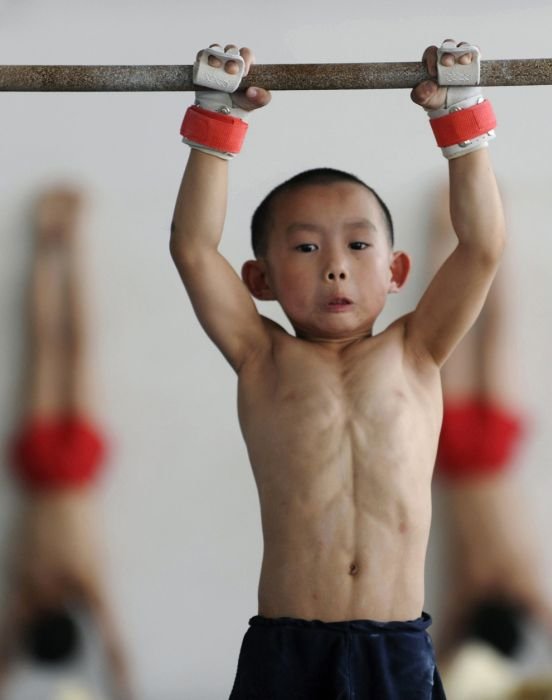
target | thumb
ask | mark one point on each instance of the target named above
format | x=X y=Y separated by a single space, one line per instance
x=429 y=95
x=252 y=98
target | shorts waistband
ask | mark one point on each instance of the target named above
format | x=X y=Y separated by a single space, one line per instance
x=362 y=626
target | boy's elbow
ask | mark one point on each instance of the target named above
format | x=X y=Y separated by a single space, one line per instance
x=485 y=251
x=177 y=243
x=491 y=248
x=177 y=247
x=173 y=238
x=173 y=242
x=497 y=244
x=187 y=251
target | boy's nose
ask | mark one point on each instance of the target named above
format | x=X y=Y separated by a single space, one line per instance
x=335 y=266
x=336 y=274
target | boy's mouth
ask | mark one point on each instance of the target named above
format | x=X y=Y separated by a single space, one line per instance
x=339 y=303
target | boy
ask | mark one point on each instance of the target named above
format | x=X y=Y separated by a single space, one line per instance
x=341 y=425
x=57 y=455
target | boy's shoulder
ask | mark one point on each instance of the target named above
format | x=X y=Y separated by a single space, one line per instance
x=393 y=343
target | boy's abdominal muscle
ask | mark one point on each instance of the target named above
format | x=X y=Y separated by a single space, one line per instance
x=335 y=559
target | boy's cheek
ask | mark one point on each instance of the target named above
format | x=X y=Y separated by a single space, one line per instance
x=293 y=279
x=293 y=298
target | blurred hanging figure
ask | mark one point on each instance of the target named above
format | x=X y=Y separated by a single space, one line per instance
x=495 y=580
x=56 y=568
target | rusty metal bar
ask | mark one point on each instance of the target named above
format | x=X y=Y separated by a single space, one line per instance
x=301 y=76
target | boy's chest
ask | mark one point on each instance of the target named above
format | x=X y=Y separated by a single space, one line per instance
x=313 y=390
x=326 y=420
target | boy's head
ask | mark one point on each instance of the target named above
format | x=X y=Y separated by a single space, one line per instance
x=323 y=242
x=262 y=220
x=52 y=637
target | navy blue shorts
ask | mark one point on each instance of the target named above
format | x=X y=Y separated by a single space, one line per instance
x=290 y=659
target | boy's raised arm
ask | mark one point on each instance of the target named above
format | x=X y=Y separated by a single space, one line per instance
x=221 y=301
x=457 y=293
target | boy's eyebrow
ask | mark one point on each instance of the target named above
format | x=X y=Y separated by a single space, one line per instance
x=318 y=228
x=362 y=223
x=303 y=226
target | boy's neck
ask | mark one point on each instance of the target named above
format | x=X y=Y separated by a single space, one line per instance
x=337 y=345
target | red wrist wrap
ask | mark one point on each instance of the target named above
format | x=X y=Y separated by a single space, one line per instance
x=464 y=124
x=221 y=132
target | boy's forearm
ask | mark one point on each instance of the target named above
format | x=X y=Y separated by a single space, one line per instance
x=475 y=203
x=201 y=204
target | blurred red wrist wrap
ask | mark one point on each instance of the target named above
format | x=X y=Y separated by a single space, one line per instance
x=477 y=439
x=57 y=453
x=221 y=132
x=464 y=124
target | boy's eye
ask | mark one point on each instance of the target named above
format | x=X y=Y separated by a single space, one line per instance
x=358 y=245
x=307 y=247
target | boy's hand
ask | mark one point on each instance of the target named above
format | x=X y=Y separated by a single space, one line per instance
x=253 y=97
x=428 y=94
x=462 y=120
x=217 y=123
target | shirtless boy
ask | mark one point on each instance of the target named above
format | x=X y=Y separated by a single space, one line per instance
x=341 y=425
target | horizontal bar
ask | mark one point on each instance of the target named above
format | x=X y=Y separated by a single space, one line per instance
x=299 y=76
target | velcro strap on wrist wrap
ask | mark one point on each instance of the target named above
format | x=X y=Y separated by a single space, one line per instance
x=464 y=125
x=220 y=132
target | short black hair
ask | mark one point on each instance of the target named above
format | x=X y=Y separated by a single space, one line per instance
x=51 y=637
x=260 y=223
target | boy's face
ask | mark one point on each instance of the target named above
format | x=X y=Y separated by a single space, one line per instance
x=329 y=261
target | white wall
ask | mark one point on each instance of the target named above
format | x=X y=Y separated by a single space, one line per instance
x=180 y=506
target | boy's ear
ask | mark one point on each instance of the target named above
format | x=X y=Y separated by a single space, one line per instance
x=399 y=268
x=254 y=275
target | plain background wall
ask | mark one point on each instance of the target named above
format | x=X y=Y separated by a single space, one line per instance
x=181 y=513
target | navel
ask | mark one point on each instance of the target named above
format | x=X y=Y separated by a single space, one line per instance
x=353 y=569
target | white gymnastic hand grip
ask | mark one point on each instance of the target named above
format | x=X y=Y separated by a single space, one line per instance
x=217 y=78
x=458 y=73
